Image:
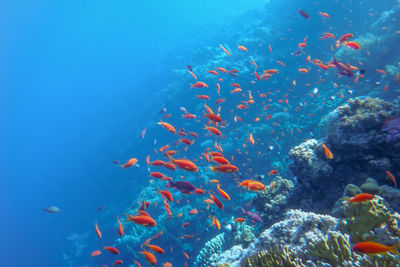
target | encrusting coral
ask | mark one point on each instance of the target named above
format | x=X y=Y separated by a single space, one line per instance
x=272 y=201
x=335 y=248
x=273 y=258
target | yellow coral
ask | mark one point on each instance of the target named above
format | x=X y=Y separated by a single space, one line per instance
x=361 y=218
x=274 y=258
x=335 y=249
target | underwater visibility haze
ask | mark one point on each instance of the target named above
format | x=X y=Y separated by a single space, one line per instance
x=200 y=133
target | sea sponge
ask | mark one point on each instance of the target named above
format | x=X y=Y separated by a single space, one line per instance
x=361 y=218
x=273 y=258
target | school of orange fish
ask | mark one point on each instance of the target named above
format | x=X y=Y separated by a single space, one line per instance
x=214 y=126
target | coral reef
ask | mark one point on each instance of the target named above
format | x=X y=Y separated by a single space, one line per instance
x=272 y=201
x=354 y=135
x=297 y=230
x=213 y=246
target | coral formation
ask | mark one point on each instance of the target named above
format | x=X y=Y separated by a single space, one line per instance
x=212 y=246
x=355 y=138
x=335 y=248
x=272 y=201
x=272 y=258
x=297 y=230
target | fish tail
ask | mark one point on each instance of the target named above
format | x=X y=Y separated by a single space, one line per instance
x=212 y=168
x=393 y=249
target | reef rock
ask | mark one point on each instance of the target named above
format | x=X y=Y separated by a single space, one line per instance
x=297 y=230
x=355 y=137
x=271 y=203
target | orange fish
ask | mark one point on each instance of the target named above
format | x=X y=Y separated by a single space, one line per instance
x=256 y=186
x=213 y=72
x=244 y=183
x=141 y=219
x=239 y=220
x=167 y=264
x=375 y=248
x=224 y=168
x=166 y=194
x=184 y=164
x=242 y=48
x=186 y=255
x=220 y=160
x=353 y=45
x=204 y=97
x=213 y=130
x=117 y=262
x=199 y=191
x=328 y=154
x=236 y=90
x=112 y=250
x=225 y=50
x=223 y=193
x=214 y=221
x=216 y=201
x=345 y=37
x=130 y=163
x=167 y=126
x=391 y=177
x=158 y=163
x=381 y=71
x=193 y=212
x=155 y=248
x=189 y=116
x=251 y=139
x=361 y=198
x=199 y=85
x=303 y=70
x=149 y=257
x=96 y=253
x=272 y=172
x=120 y=228
x=325 y=15
x=213 y=117
x=97 y=231
x=185 y=225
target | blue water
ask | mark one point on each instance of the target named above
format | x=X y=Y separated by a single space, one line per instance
x=79 y=80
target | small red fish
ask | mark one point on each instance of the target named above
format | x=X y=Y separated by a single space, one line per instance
x=361 y=198
x=391 y=177
x=112 y=250
x=375 y=248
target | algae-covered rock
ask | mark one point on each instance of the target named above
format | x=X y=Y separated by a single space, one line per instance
x=370 y=188
x=361 y=218
x=351 y=190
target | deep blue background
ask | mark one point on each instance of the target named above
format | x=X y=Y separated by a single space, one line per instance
x=73 y=78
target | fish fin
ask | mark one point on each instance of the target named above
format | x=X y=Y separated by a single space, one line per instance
x=393 y=249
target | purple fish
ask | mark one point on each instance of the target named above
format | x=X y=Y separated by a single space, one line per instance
x=344 y=68
x=183 y=186
x=252 y=215
x=303 y=14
